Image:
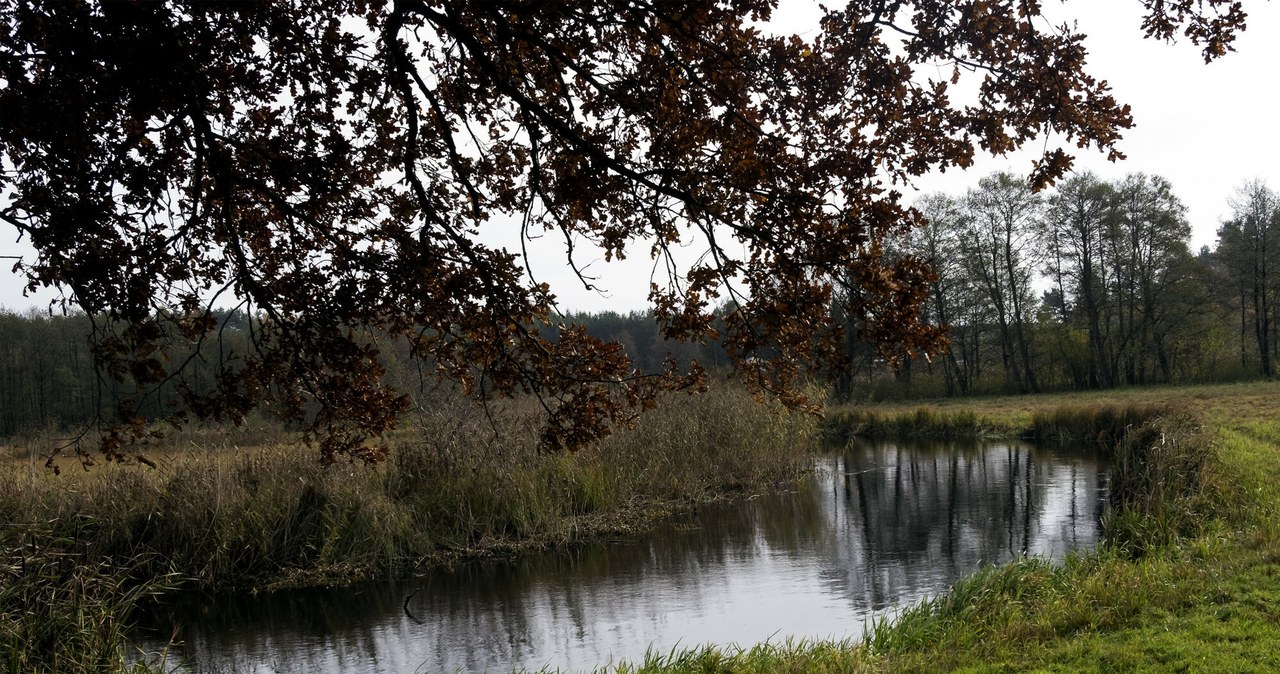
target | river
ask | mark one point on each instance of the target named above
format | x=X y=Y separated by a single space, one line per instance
x=876 y=528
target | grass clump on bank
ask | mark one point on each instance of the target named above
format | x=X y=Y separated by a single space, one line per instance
x=1100 y=423
x=924 y=423
x=61 y=614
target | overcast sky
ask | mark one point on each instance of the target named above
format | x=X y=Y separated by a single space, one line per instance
x=1207 y=128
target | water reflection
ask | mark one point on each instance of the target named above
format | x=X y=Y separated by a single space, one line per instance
x=877 y=527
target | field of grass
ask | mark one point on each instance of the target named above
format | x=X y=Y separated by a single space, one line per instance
x=1188 y=582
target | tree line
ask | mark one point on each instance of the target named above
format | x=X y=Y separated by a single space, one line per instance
x=48 y=376
x=1090 y=285
x=1093 y=285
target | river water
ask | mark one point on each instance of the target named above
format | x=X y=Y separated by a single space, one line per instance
x=876 y=528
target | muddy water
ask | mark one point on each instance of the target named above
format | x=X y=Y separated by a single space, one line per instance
x=876 y=528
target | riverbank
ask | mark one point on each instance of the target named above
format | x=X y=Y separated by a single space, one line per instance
x=249 y=510
x=1190 y=580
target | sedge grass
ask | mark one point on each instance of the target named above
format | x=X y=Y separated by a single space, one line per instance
x=59 y=614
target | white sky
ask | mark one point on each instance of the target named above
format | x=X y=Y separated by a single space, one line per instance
x=1207 y=128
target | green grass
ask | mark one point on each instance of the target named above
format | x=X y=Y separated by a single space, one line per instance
x=798 y=657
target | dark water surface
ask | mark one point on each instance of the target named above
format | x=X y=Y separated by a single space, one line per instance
x=875 y=529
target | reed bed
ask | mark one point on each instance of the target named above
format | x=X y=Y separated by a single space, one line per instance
x=1098 y=423
x=458 y=482
x=922 y=423
x=62 y=614
x=1103 y=424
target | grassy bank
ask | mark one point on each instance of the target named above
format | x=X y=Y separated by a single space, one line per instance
x=1099 y=423
x=459 y=483
x=1189 y=580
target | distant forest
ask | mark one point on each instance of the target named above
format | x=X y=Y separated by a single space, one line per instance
x=1089 y=285
x=1093 y=285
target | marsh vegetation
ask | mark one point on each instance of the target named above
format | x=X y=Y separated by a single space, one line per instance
x=874 y=528
x=252 y=509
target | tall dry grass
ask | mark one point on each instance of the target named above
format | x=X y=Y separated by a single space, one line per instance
x=61 y=614
x=458 y=481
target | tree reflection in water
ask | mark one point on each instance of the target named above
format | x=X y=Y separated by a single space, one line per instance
x=877 y=527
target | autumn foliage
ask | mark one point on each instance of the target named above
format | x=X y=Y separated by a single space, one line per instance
x=328 y=165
